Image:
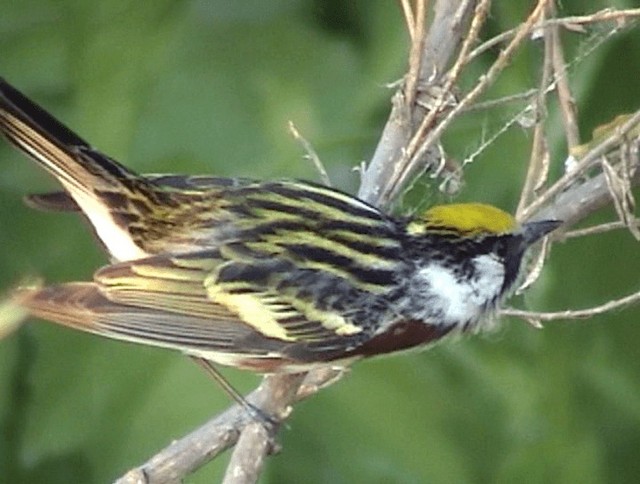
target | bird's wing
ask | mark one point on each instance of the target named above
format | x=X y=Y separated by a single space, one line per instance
x=178 y=302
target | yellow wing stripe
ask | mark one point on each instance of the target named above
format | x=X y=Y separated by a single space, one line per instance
x=264 y=312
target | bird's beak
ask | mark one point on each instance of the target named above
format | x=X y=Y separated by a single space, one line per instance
x=533 y=231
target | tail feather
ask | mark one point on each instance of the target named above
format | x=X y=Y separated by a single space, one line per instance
x=98 y=185
x=54 y=146
x=83 y=306
x=16 y=103
x=52 y=202
x=73 y=305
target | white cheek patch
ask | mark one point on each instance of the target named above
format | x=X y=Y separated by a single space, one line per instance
x=490 y=272
x=465 y=300
x=446 y=289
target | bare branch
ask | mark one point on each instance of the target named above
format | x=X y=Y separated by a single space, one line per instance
x=249 y=455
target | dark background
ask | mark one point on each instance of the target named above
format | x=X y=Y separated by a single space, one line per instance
x=208 y=87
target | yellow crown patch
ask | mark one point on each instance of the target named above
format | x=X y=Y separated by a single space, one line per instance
x=464 y=218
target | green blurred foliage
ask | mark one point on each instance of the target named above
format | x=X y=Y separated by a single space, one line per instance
x=208 y=87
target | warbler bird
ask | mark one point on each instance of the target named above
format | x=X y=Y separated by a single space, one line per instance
x=263 y=275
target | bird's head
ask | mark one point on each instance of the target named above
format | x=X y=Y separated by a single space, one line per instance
x=472 y=234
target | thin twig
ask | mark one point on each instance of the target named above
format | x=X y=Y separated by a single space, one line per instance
x=310 y=154
x=619 y=183
x=506 y=126
x=535 y=267
x=494 y=103
x=573 y=314
x=409 y=19
x=538 y=166
x=580 y=200
x=604 y=15
x=597 y=229
x=486 y=80
x=567 y=104
x=416 y=53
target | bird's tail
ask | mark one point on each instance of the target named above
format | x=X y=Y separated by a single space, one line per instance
x=78 y=166
x=97 y=185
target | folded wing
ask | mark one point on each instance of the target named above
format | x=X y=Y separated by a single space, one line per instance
x=177 y=302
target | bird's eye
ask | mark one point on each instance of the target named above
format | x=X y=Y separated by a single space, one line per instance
x=501 y=246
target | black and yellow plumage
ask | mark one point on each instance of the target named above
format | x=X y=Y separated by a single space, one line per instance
x=269 y=276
